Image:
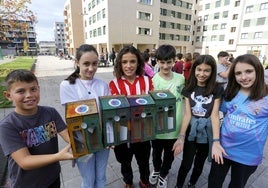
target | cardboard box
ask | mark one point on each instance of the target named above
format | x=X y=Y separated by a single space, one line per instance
x=83 y=123
x=115 y=115
x=165 y=103
x=142 y=118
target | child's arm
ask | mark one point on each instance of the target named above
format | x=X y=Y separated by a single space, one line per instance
x=178 y=145
x=217 y=149
x=28 y=162
x=65 y=135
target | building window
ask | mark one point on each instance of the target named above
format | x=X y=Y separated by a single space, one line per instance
x=223 y=26
x=177 y=37
x=261 y=21
x=246 y=23
x=198 y=29
x=89 y=6
x=213 y=38
x=215 y=27
x=237 y=3
x=197 y=39
x=233 y=29
x=144 y=16
x=207 y=6
x=199 y=18
x=264 y=6
x=162 y=36
x=244 y=35
x=221 y=37
x=205 y=28
x=249 y=9
x=258 y=35
x=231 y=41
x=98 y=16
x=99 y=31
x=163 y=11
x=217 y=15
x=103 y=13
x=144 y=31
x=104 y=30
x=204 y=38
x=225 y=14
x=205 y=17
x=146 y=2
x=94 y=18
x=226 y=2
x=218 y=4
x=162 y=24
x=235 y=16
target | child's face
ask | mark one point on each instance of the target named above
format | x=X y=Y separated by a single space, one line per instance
x=245 y=75
x=25 y=97
x=88 y=65
x=202 y=74
x=129 y=64
x=165 y=66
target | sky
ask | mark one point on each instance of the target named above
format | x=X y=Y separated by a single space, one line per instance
x=48 y=12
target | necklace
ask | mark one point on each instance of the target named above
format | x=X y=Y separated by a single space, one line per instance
x=84 y=84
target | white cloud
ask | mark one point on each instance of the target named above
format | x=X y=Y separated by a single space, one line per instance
x=48 y=12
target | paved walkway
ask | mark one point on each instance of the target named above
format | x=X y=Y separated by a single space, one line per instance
x=51 y=71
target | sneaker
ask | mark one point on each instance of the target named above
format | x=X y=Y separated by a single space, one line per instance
x=190 y=185
x=143 y=185
x=154 y=177
x=162 y=182
x=129 y=186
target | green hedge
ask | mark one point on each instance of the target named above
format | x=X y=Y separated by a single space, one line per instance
x=22 y=62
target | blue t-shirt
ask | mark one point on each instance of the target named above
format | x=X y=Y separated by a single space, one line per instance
x=244 y=129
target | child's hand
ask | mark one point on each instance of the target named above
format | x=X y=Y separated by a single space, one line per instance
x=65 y=153
x=218 y=152
x=178 y=146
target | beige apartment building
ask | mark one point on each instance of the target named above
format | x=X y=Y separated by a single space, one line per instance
x=141 y=23
x=204 y=26
x=73 y=19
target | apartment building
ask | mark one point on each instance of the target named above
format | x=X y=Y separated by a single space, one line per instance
x=20 y=38
x=47 y=48
x=74 y=31
x=238 y=26
x=142 y=23
x=204 y=26
x=59 y=36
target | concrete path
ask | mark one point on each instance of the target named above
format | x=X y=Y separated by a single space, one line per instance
x=51 y=71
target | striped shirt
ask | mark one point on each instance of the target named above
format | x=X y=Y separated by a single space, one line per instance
x=141 y=85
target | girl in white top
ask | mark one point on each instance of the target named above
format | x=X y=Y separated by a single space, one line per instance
x=82 y=85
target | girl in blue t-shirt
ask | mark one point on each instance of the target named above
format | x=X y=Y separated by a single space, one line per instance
x=244 y=130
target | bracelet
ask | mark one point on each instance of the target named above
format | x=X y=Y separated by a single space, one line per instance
x=181 y=136
x=216 y=140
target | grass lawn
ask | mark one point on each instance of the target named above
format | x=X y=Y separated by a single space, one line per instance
x=21 y=62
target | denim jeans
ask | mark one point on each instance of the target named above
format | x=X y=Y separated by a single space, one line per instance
x=93 y=171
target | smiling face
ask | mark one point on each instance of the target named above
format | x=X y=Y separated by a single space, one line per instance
x=245 y=75
x=88 y=64
x=129 y=66
x=202 y=74
x=25 y=97
x=165 y=66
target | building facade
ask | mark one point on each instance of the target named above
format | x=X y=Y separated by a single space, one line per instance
x=47 y=48
x=238 y=27
x=146 y=25
x=74 y=31
x=20 y=38
x=59 y=36
x=204 y=26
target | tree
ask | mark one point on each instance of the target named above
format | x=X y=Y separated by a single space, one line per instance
x=11 y=11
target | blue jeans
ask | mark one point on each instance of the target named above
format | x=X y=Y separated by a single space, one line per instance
x=93 y=171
